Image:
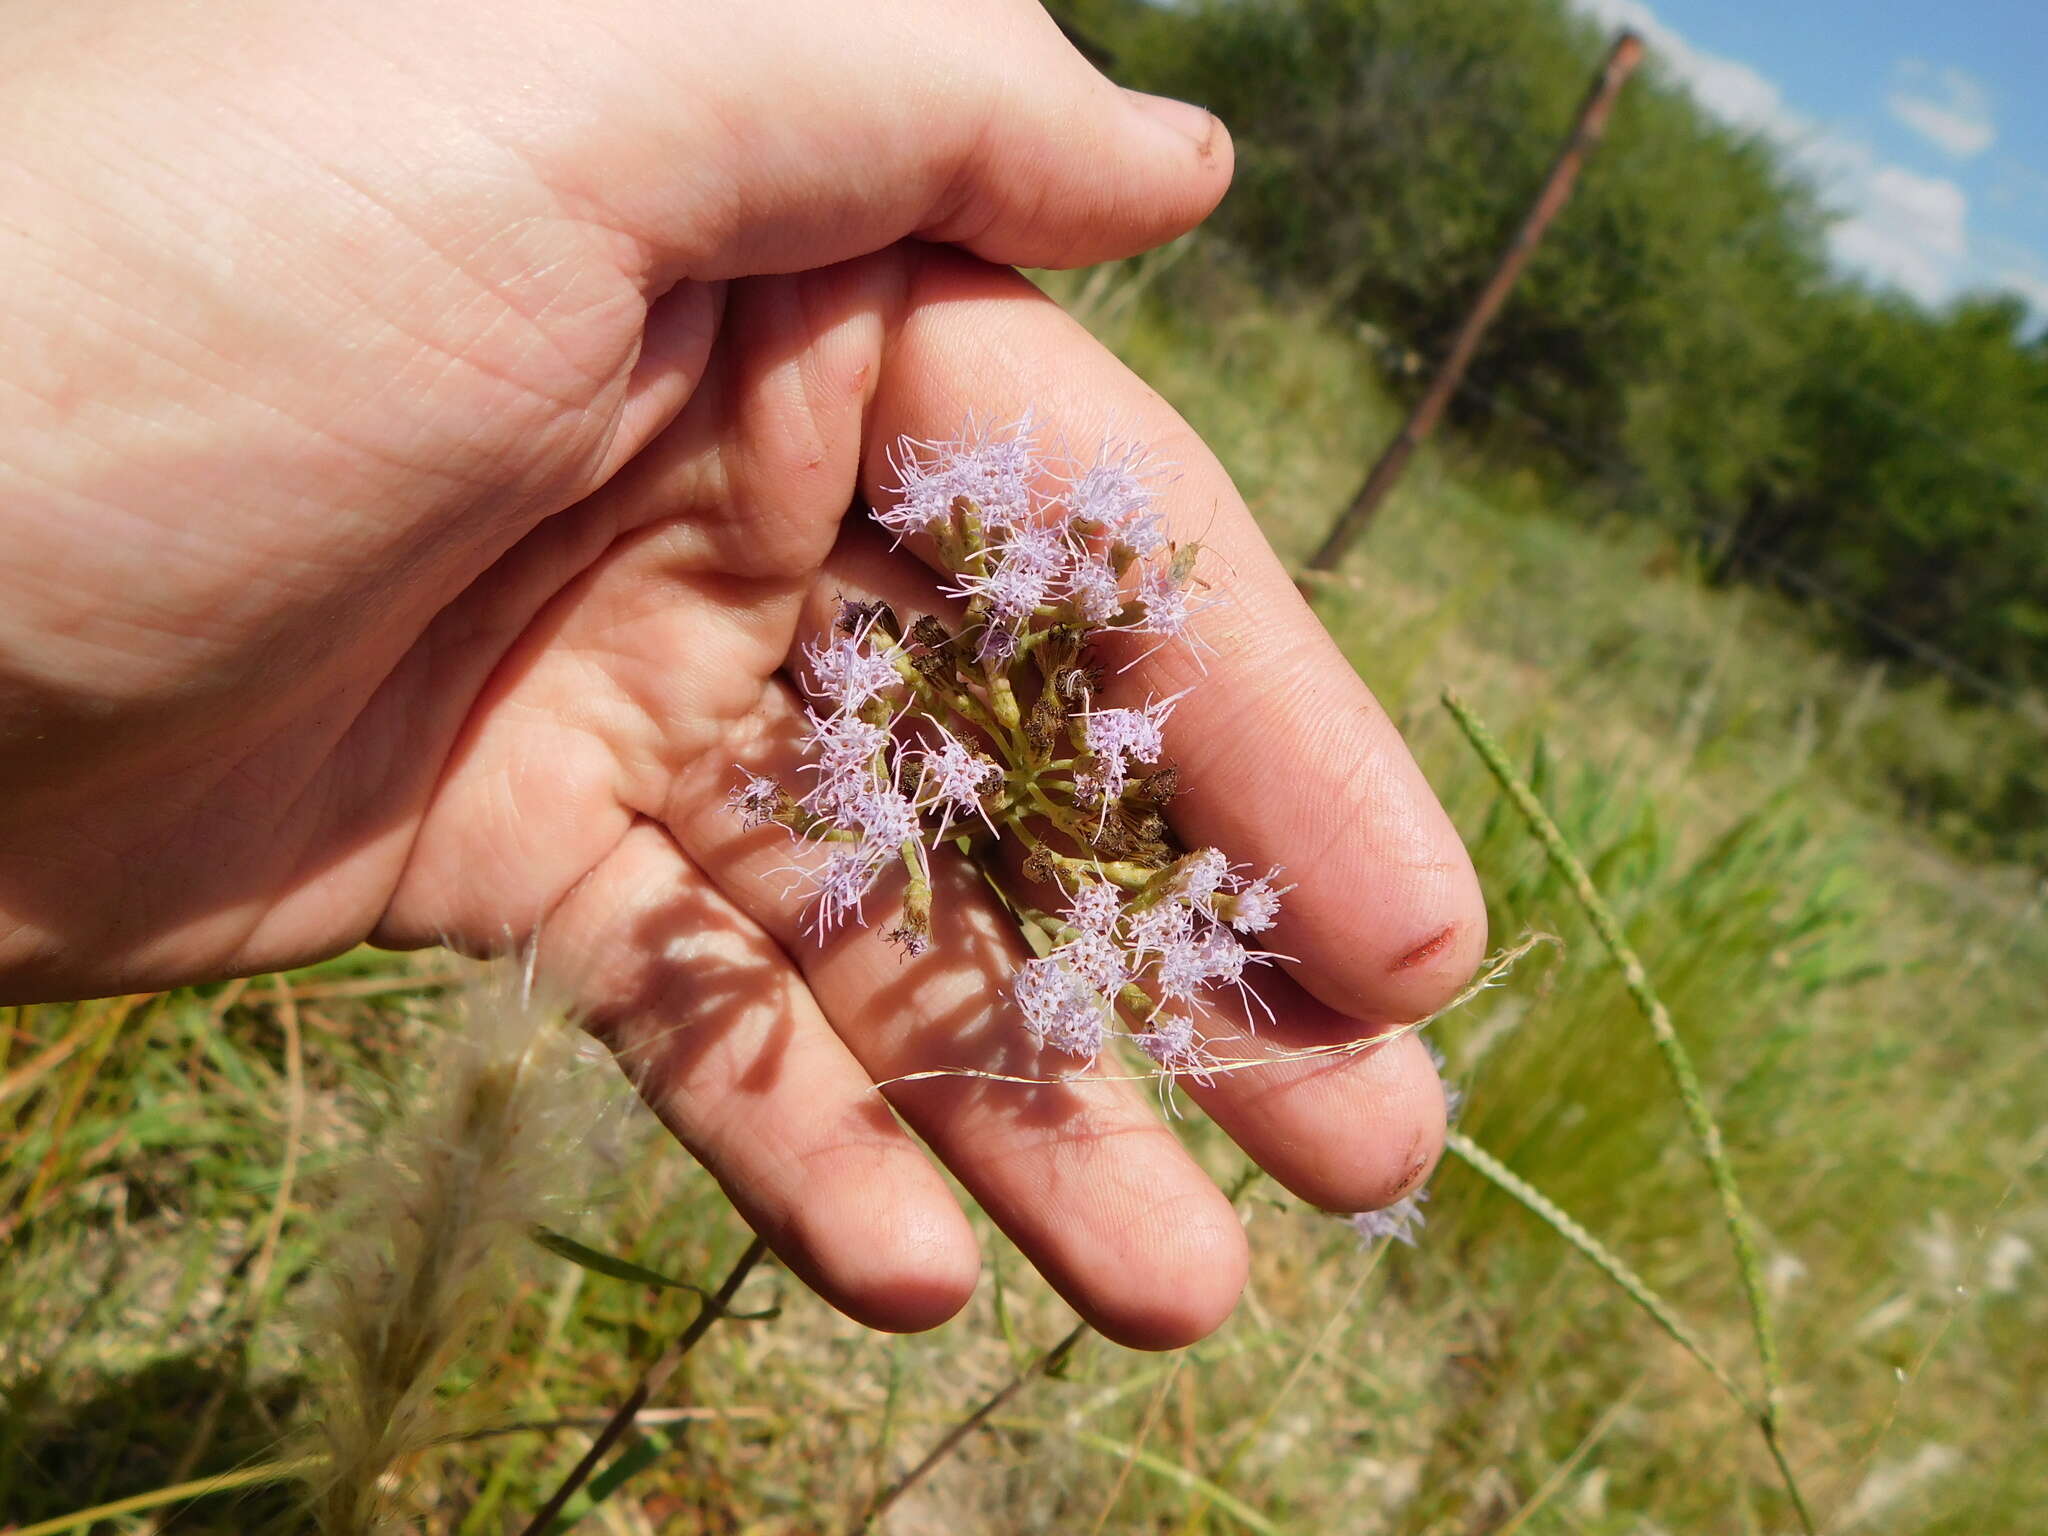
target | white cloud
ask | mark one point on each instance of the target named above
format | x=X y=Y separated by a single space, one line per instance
x=2030 y=283
x=1893 y=225
x=1945 y=106
x=1906 y=229
x=1728 y=88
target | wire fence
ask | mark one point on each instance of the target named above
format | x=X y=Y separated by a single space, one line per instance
x=1623 y=475
x=1743 y=324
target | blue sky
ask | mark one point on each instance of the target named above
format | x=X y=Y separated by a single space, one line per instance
x=1925 y=125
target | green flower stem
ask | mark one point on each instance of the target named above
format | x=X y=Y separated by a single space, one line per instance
x=1677 y=1060
x=1497 y=1173
x=814 y=828
x=956 y=701
x=1132 y=877
x=1130 y=995
x=1002 y=702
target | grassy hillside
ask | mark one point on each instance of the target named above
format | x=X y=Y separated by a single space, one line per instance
x=1864 y=1005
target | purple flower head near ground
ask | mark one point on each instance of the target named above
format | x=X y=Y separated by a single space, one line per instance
x=1399 y=1221
x=1454 y=1096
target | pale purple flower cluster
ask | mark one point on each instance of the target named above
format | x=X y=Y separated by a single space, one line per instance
x=1120 y=740
x=1403 y=1219
x=856 y=799
x=1053 y=539
x=986 y=729
x=956 y=779
x=996 y=471
x=1399 y=1221
x=1168 y=944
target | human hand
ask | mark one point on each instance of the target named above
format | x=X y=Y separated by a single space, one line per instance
x=428 y=437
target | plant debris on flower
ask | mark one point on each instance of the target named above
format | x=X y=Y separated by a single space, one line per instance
x=992 y=734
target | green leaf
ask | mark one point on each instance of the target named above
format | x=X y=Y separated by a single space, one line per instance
x=582 y=1254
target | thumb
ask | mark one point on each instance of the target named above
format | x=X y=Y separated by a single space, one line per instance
x=735 y=141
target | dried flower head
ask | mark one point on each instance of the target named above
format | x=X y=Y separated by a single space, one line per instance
x=430 y=1221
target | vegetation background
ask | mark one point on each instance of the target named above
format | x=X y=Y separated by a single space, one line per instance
x=1745 y=564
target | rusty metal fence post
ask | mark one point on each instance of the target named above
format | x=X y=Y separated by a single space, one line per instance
x=1557 y=189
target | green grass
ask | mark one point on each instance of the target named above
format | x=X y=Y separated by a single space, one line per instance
x=1861 y=999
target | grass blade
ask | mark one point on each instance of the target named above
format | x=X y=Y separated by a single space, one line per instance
x=657 y=1375
x=610 y=1265
x=1044 y=1365
x=1677 y=1060
x=177 y=1493
x=1609 y=1263
x=1172 y=1471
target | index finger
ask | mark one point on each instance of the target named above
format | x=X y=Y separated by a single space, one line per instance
x=1285 y=756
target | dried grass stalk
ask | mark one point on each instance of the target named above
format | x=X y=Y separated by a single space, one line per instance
x=426 y=1229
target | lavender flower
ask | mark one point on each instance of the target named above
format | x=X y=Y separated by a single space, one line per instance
x=1120 y=739
x=1060 y=1008
x=988 y=730
x=1092 y=590
x=1399 y=1221
x=844 y=749
x=1164 y=603
x=840 y=887
x=1096 y=907
x=1172 y=1042
x=849 y=674
x=1163 y=928
x=1098 y=960
x=956 y=778
x=1202 y=875
x=995 y=471
x=1115 y=495
x=1255 y=906
x=885 y=819
x=1454 y=1096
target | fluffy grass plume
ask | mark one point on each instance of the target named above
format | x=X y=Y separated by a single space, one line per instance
x=426 y=1228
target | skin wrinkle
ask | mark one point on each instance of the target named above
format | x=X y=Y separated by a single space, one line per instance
x=526 y=296
x=456 y=355
x=947 y=221
x=156 y=323
x=386 y=924
x=636 y=546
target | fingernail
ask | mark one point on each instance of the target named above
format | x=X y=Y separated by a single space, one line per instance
x=1195 y=124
